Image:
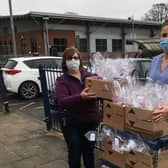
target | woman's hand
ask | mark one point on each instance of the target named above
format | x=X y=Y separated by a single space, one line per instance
x=160 y=113
x=86 y=94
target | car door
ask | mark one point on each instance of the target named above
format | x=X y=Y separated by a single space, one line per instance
x=34 y=70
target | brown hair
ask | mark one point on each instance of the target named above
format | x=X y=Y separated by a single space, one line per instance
x=68 y=53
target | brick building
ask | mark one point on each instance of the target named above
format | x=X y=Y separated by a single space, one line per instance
x=50 y=34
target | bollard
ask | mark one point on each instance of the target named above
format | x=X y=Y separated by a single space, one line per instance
x=4 y=101
x=6 y=106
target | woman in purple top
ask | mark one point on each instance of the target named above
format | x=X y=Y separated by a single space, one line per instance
x=79 y=112
x=159 y=70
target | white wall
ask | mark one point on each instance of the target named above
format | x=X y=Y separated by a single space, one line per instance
x=76 y=28
x=80 y=34
x=104 y=33
x=131 y=48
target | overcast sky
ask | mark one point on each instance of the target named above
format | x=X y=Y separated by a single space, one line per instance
x=104 y=8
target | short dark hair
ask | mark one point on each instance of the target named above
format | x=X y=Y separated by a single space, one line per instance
x=69 y=52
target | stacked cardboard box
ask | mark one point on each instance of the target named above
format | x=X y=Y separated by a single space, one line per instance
x=113 y=115
x=135 y=159
x=139 y=121
x=133 y=120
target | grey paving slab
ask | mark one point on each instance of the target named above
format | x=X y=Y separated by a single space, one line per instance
x=55 y=164
x=6 y=165
x=24 y=143
x=32 y=162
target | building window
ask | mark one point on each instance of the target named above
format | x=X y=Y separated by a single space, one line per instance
x=83 y=45
x=33 y=45
x=23 y=46
x=60 y=44
x=117 y=45
x=101 y=45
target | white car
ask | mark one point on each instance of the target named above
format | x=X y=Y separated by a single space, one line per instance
x=21 y=75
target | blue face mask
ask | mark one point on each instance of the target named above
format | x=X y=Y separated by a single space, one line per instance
x=164 y=44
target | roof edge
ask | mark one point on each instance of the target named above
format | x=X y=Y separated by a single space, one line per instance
x=84 y=18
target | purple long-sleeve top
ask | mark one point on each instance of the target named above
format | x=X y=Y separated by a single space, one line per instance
x=68 y=89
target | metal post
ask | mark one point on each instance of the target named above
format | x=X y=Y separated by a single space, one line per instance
x=45 y=30
x=123 y=40
x=12 y=29
x=133 y=32
x=88 y=42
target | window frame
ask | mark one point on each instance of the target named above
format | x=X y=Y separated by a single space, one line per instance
x=60 y=47
x=83 y=46
x=117 y=47
x=100 y=47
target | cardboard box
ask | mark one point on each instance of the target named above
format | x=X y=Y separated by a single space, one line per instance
x=139 y=160
x=103 y=89
x=163 y=159
x=113 y=115
x=127 y=159
x=139 y=121
x=134 y=159
x=112 y=156
x=107 y=164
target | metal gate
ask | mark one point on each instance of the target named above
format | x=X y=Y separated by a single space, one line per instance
x=48 y=76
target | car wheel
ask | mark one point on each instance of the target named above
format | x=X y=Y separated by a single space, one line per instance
x=29 y=90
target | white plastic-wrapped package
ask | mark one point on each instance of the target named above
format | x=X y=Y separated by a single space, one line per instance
x=149 y=96
x=110 y=69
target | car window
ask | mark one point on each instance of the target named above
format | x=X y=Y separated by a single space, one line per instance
x=134 y=65
x=54 y=62
x=136 y=70
x=47 y=62
x=10 y=64
x=32 y=63
x=145 y=66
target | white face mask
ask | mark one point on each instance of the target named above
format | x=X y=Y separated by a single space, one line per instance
x=73 y=65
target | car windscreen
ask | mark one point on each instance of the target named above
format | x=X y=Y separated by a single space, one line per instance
x=51 y=62
x=10 y=64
